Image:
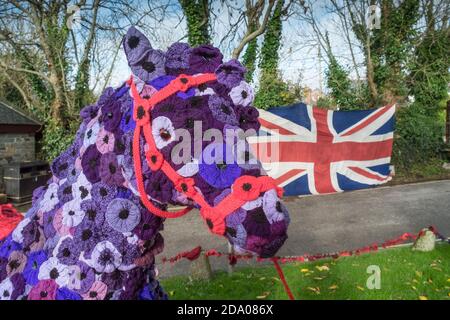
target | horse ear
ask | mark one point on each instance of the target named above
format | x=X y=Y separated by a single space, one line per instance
x=135 y=45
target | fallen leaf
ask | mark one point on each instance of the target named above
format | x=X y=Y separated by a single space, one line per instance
x=448 y=280
x=172 y=292
x=360 y=288
x=322 y=268
x=318 y=278
x=414 y=288
x=262 y=278
x=264 y=295
x=315 y=290
x=423 y=298
x=419 y=274
x=333 y=287
x=304 y=270
x=448 y=294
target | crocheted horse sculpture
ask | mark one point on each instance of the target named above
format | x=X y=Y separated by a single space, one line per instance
x=93 y=231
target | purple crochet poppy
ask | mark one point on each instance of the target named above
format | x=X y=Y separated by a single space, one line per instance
x=135 y=45
x=18 y=283
x=242 y=94
x=133 y=284
x=105 y=257
x=47 y=220
x=3 y=263
x=65 y=192
x=110 y=172
x=72 y=173
x=218 y=166
x=103 y=193
x=148 y=226
x=87 y=235
x=106 y=97
x=30 y=233
x=114 y=280
x=256 y=223
x=222 y=110
x=204 y=59
x=236 y=235
x=8 y=246
x=122 y=215
x=85 y=277
x=66 y=294
x=68 y=251
x=37 y=194
x=35 y=260
x=111 y=116
x=231 y=73
x=150 y=66
x=93 y=211
x=60 y=165
x=90 y=163
x=168 y=107
x=159 y=187
x=127 y=123
x=89 y=112
x=177 y=57
x=248 y=118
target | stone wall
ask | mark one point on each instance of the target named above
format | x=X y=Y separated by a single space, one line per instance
x=15 y=147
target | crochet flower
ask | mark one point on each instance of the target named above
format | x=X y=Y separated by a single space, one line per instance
x=97 y=291
x=60 y=165
x=8 y=246
x=65 y=192
x=105 y=141
x=72 y=214
x=44 y=290
x=67 y=294
x=204 y=59
x=122 y=215
x=54 y=270
x=149 y=225
x=127 y=122
x=82 y=278
x=30 y=233
x=6 y=289
x=81 y=189
x=248 y=118
x=150 y=66
x=47 y=220
x=222 y=110
x=237 y=235
x=114 y=280
x=159 y=187
x=273 y=208
x=256 y=244
x=256 y=223
x=90 y=163
x=89 y=112
x=103 y=193
x=34 y=262
x=135 y=45
x=246 y=188
x=177 y=57
x=218 y=166
x=163 y=131
x=105 y=257
x=72 y=173
x=68 y=251
x=242 y=94
x=87 y=235
x=50 y=199
x=231 y=73
x=111 y=116
x=90 y=136
x=110 y=172
x=16 y=263
x=189 y=169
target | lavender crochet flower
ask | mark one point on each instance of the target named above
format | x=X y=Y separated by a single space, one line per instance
x=231 y=73
x=8 y=246
x=47 y=220
x=65 y=192
x=204 y=58
x=87 y=235
x=248 y=118
x=105 y=141
x=127 y=123
x=68 y=251
x=66 y=294
x=149 y=225
x=89 y=112
x=163 y=131
x=105 y=257
x=111 y=116
x=242 y=94
x=159 y=187
x=222 y=110
x=135 y=45
x=103 y=193
x=60 y=165
x=150 y=66
x=256 y=223
x=122 y=215
x=177 y=57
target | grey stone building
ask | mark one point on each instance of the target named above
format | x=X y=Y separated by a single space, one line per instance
x=17 y=136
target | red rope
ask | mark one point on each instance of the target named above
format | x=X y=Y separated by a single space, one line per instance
x=283 y=279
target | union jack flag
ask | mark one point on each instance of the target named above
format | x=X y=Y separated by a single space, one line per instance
x=324 y=151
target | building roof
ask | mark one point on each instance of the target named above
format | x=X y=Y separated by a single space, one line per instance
x=13 y=120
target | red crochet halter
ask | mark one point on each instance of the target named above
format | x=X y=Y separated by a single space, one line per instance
x=245 y=188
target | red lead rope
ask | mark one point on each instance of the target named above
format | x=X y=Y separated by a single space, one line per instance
x=244 y=189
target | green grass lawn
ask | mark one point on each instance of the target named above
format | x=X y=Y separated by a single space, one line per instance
x=405 y=274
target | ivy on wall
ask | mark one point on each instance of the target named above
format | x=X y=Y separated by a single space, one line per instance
x=197 y=19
